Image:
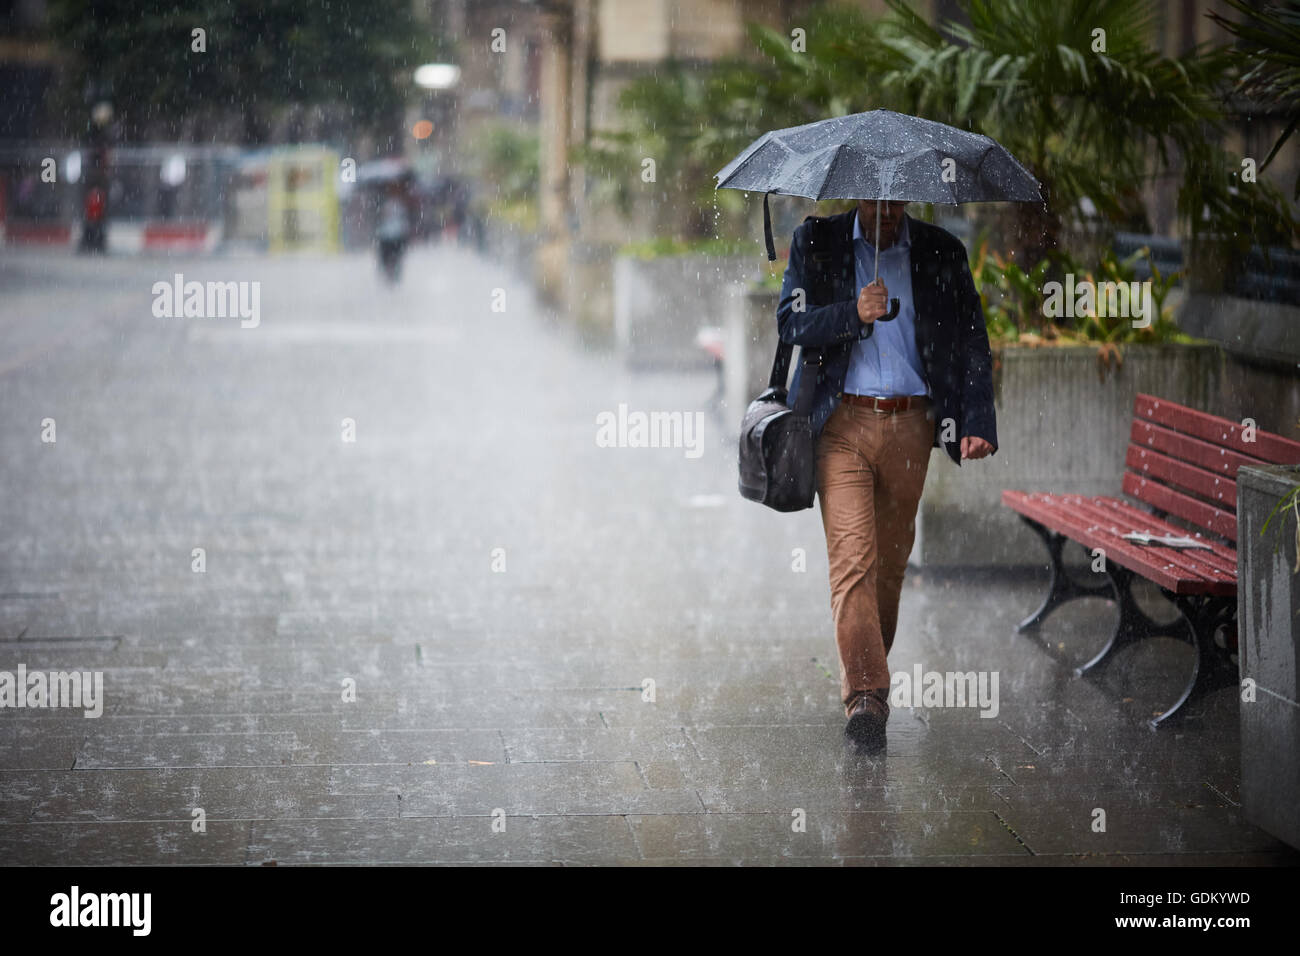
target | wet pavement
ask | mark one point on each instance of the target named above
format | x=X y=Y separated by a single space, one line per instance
x=475 y=635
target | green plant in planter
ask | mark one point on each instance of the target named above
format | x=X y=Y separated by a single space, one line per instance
x=1011 y=297
x=1288 y=502
x=1013 y=300
x=1109 y=328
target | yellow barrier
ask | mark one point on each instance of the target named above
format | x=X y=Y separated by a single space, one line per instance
x=302 y=200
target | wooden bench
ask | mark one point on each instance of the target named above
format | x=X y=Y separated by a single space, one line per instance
x=1180 y=463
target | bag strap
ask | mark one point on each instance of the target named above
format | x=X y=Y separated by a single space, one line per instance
x=819 y=227
x=811 y=360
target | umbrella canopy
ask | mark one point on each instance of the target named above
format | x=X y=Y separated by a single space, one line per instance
x=381 y=171
x=879 y=155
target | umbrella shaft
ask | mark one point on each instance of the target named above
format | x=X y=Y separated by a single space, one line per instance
x=877 y=255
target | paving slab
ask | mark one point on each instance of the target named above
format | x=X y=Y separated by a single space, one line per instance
x=565 y=787
x=466 y=839
x=117 y=844
x=863 y=794
x=1072 y=828
x=38 y=750
x=646 y=744
x=223 y=793
x=331 y=746
x=827 y=835
x=765 y=757
x=186 y=750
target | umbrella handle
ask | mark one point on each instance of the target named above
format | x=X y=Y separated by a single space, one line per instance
x=893 y=303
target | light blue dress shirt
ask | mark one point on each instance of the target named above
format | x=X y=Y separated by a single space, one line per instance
x=887 y=364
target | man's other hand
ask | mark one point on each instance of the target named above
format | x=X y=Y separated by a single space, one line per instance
x=972 y=447
x=873 y=302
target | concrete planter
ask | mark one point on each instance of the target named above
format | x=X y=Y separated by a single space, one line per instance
x=590 y=300
x=1063 y=426
x=1269 y=632
x=661 y=304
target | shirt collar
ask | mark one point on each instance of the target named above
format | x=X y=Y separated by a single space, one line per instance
x=902 y=241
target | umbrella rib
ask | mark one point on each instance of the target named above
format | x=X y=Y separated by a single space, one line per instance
x=830 y=169
x=737 y=164
x=993 y=150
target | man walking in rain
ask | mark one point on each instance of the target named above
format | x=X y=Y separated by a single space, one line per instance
x=888 y=389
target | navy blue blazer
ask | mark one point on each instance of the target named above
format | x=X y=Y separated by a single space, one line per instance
x=950 y=334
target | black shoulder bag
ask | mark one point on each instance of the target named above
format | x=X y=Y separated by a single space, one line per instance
x=777 y=464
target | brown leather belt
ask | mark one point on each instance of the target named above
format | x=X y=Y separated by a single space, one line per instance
x=886 y=404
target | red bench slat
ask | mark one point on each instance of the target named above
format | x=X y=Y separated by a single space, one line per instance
x=1167 y=499
x=1058 y=516
x=1171 y=568
x=1267 y=447
x=1152 y=464
x=1119 y=518
x=1156 y=564
x=1219 y=554
x=1214 y=458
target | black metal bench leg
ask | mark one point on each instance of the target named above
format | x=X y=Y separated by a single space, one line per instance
x=1213 y=669
x=1132 y=626
x=1062 y=588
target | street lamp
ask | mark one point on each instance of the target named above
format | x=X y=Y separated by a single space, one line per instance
x=437 y=76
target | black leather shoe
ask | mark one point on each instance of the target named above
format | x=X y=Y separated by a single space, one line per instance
x=866 y=726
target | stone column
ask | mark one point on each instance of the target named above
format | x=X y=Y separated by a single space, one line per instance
x=556 y=113
x=583 y=31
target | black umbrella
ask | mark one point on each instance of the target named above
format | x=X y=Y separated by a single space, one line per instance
x=879 y=155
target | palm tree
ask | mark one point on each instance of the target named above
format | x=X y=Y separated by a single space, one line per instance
x=1071 y=88
x=1271 y=38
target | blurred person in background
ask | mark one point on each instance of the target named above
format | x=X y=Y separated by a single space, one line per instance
x=93 y=238
x=393 y=231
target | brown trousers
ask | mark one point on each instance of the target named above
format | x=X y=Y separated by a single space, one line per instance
x=870 y=473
